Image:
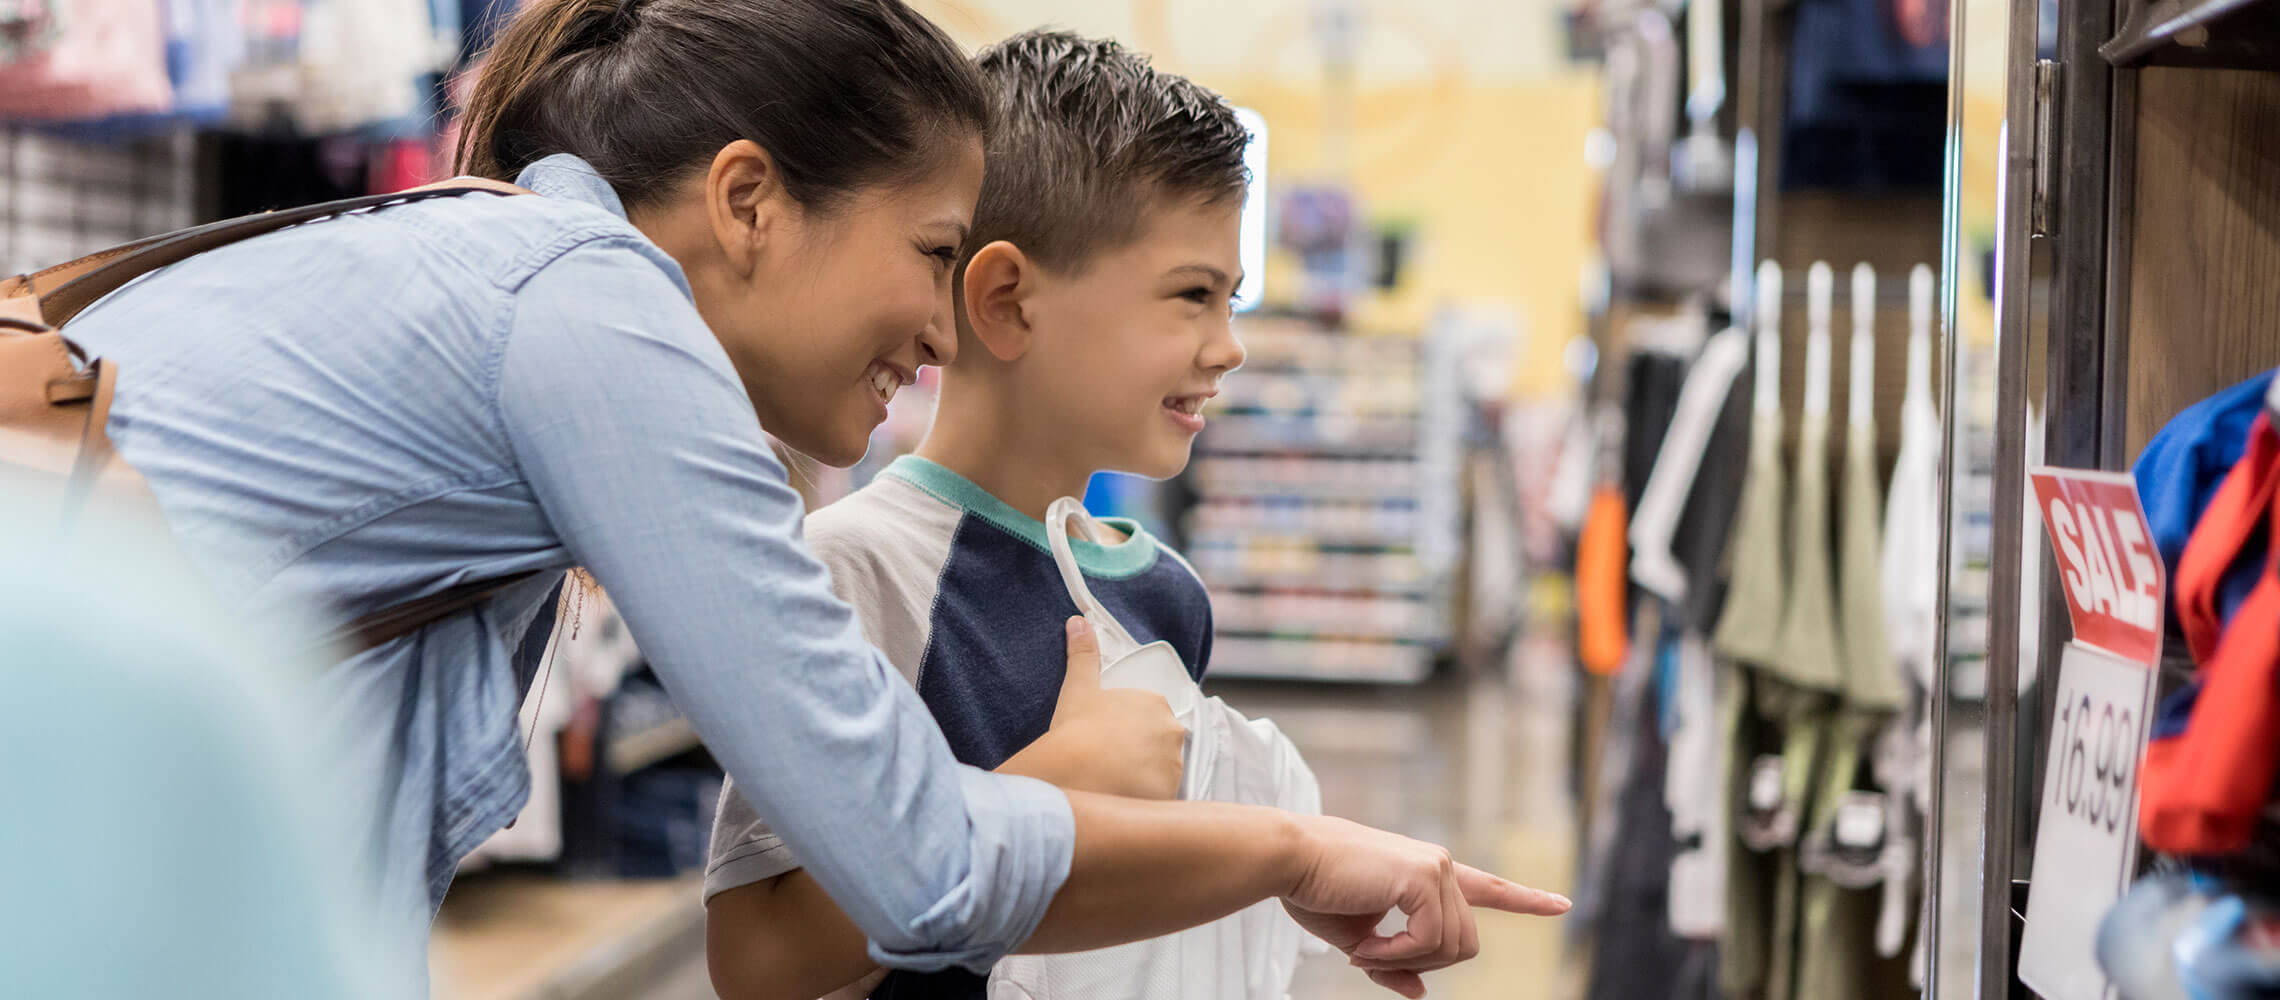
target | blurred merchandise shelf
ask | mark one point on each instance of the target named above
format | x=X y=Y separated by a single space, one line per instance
x=1314 y=433
x=1319 y=501
x=1282 y=612
x=1320 y=659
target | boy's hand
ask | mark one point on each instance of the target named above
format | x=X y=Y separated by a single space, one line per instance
x=1115 y=742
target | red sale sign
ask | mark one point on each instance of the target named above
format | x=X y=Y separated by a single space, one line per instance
x=2107 y=562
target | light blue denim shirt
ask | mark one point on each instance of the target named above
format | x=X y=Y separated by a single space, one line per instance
x=375 y=407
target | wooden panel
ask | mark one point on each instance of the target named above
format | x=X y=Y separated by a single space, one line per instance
x=2205 y=258
x=1892 y=233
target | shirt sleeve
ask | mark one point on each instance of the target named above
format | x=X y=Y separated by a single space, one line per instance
x=635 y=434
x=744 y=849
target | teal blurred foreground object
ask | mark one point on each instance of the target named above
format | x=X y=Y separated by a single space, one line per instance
x=162 y=833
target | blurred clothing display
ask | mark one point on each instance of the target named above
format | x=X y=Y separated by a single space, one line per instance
x=101 y=68
x=1867 y=105
x=101 y=58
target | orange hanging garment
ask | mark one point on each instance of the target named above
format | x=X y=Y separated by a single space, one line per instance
x=1601 y=555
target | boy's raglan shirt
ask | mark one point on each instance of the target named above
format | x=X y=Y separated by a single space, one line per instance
x=960 y=591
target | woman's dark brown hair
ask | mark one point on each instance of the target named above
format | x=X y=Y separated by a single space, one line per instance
x=841 y=93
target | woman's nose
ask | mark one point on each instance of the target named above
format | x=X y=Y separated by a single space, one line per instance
x=938 y=343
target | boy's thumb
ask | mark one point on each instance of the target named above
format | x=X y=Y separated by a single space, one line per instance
x=1084 y=657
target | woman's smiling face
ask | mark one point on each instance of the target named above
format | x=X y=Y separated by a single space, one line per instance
x=841 y=305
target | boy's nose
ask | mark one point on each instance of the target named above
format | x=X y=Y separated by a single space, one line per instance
x=1225 y=351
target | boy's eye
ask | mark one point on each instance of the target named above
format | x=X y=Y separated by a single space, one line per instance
x=948 y=255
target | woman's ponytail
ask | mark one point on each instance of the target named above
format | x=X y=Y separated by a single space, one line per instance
x=535 y=45
x=840 y=93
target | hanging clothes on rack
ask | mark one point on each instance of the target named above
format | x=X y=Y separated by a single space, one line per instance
x=1747 y=627
x=1909 y=585
x=1856 y=828
x=1796 y=696
x=107 y=57
x=1696 y=908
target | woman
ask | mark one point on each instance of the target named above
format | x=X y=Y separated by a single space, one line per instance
x=749 y=213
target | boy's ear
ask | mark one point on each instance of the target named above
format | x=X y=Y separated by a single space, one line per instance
x=998 y=283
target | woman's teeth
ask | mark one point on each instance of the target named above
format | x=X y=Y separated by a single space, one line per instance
x=1190 y=405
x=885 y=382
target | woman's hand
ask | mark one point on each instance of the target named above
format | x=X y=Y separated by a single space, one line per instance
x=1351 y=875
x=1112 y=741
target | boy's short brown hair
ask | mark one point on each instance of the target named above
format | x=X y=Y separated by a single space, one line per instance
x=1086 y=136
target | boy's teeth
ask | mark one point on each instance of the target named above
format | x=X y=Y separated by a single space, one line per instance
x=885 y=383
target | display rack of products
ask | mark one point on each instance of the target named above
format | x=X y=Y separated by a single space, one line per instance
x=1313 y=504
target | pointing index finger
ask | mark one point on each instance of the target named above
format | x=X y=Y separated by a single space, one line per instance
x=1482 y=889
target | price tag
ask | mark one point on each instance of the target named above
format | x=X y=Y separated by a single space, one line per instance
x=2086 y=843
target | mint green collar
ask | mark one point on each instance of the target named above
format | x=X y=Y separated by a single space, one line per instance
x=1127 y=558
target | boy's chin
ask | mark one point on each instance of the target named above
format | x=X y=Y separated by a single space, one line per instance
x=1161 y=463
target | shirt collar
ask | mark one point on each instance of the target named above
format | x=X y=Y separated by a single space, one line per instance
x=564 y=175
x=1126 y=558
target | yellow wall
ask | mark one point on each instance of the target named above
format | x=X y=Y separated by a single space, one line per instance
x=1460 y=119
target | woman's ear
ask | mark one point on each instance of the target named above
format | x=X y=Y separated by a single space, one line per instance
x=745 y=202
x=997 y=286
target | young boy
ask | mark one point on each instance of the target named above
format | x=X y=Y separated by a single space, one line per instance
x=1094 y=326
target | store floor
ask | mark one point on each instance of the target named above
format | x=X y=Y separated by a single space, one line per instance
x=1473 y=759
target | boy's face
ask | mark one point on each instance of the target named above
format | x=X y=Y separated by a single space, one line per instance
x=1128 y=350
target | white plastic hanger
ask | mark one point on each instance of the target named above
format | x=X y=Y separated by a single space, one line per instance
x=1678 y=462
x=1919 y=390
x=1862 y=398
x=1768 y=394
x=1820 y=288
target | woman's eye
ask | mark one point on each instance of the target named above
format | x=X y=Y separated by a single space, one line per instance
x=1199 y=295
x=948 y=255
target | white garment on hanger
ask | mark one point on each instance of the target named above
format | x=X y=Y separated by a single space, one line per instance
x=1694 y=789
x=1680 y=459
x=1251 y=955
x=1912 y=508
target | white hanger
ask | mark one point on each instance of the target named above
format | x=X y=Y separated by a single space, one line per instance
x=1919 y=391
x=1862 y=398
x=1768 y=394
x=1694 y=418
x=1820 y=287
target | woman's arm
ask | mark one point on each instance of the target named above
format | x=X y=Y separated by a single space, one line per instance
x=1147 y=868
x=630 y=427
x=1144 y=869
x=784 y=937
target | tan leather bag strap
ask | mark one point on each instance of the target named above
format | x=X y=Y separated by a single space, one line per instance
x=404 y=619
x=43 y=300
x=60 y=292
